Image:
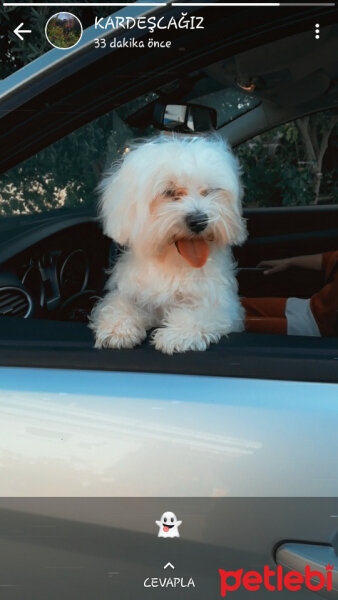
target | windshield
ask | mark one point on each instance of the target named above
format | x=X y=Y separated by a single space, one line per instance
x=66 y=174
x=229 y=103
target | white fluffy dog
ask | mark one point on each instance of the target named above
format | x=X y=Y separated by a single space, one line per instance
x=175 y=202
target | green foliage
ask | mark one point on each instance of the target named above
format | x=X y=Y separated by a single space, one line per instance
x=277 y=172
x=66 y=173
x=16 y=53
x=61 y=37
x=278 y=169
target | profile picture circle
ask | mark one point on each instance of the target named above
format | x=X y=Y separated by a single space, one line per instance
x=63 y=30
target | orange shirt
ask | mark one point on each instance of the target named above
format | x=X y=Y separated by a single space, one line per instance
x=324 y=304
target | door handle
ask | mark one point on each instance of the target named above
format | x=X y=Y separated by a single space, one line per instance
x=295 y=557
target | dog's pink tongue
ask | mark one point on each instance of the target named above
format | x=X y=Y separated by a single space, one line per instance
x=195 y=251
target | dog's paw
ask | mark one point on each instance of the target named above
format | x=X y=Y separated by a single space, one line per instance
x=122 y=334
x=169 y=341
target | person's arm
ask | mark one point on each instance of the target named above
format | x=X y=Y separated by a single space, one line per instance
x=312 y=261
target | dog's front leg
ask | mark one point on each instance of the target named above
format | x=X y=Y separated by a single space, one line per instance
x=192 y=329
x=118 y=322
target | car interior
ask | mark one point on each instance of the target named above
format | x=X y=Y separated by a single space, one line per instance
x=54 y=260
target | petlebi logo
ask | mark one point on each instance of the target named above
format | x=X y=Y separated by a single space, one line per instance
x=275 y=580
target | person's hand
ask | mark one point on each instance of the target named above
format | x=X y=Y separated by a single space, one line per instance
x=274 y=266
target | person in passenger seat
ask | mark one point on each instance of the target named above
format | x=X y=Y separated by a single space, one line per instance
x=315 y=316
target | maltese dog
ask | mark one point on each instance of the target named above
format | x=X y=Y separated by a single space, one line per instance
x=175 y=203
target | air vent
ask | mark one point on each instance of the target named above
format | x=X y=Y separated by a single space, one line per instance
x=14 y=302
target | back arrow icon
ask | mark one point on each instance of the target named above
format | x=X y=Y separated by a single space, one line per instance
x=18 y=31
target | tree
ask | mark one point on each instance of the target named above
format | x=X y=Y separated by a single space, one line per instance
x=293 y=164
x=315 y=132
x=15 y=53
x=278 y=169
x=66 y=173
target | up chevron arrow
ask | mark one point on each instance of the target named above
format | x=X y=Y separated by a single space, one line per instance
x=169 y=565
x=18 y=31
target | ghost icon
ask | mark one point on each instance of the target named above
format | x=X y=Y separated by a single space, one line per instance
x=168 y=525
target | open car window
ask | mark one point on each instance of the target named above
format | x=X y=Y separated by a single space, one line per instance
x=294 y=164
x=65 y=174
x=54 y=257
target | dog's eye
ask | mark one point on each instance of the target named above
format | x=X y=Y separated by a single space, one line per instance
x=208 y=191
x=170 y=193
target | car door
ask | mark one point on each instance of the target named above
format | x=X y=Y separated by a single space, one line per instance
x=92 y=459
x=239 y=443
x=296 y=231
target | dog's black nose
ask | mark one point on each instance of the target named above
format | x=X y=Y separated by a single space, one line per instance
x=196 y=221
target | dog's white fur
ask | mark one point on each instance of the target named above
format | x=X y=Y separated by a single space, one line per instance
x=152 y=285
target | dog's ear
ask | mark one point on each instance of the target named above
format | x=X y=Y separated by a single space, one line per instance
x=233 y=173
x=117 y=204
x=233 y=222
x=239 y=230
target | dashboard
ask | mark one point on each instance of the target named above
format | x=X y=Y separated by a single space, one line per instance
x=59 y=275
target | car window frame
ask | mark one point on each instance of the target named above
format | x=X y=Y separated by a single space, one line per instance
x=240 y=355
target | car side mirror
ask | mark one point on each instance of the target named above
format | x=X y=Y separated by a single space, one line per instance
x=184 y=118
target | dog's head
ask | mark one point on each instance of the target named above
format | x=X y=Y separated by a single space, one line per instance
x=182 y=191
